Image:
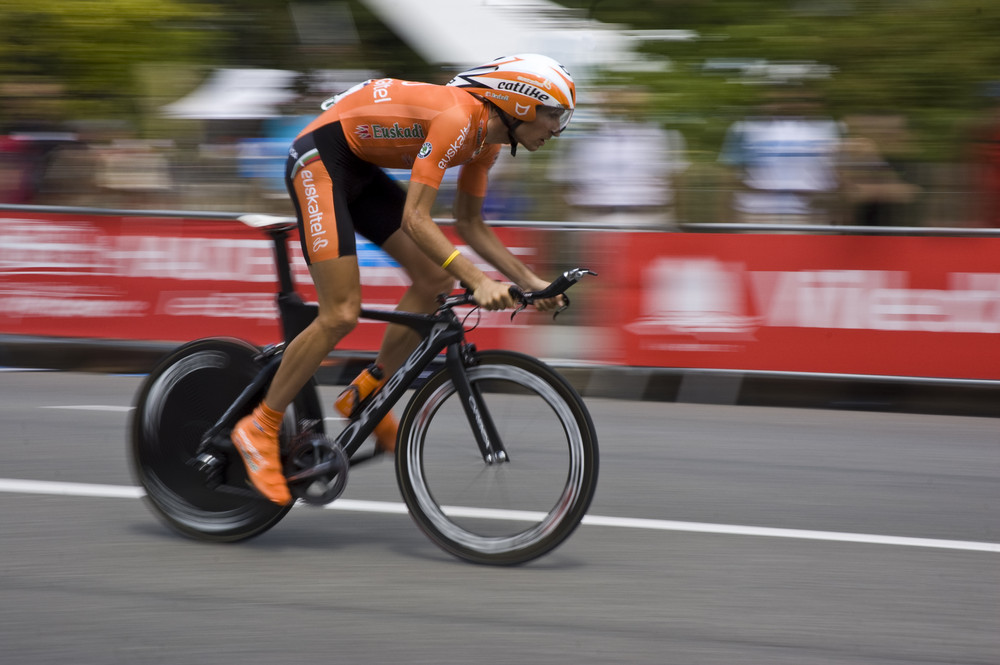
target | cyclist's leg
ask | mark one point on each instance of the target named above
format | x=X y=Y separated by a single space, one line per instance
x=327 y=238
x=256 y=436
x=338 y=287
x=378 y=211
x=427 y=281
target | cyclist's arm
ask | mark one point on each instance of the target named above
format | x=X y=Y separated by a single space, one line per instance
x=420 y=226
x=471 y=227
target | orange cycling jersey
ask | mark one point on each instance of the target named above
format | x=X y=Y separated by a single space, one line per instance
x=418 y=126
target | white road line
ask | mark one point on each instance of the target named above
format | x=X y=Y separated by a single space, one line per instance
x=736 y=530
x=122 y=409
x=70 y=489
x=90 y=407
x=388 y=507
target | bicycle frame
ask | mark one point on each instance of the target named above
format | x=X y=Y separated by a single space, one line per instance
x=543 y=418
x=440 y=331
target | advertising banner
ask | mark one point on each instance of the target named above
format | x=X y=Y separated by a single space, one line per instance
x=173 y=279
x=831 y=304
x=875 y=305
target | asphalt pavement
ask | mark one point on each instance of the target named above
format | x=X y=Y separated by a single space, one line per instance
x=720 y=534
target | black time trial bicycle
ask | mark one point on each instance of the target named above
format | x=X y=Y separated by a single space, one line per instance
x=496 y=456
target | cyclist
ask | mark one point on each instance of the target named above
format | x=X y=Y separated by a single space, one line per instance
x=335 y=180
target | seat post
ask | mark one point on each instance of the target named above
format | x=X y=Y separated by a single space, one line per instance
x=280 y=237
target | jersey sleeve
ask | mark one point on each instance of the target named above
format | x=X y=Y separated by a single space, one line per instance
x=448 y=134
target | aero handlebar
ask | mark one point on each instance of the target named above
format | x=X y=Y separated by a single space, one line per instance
x=524 y=298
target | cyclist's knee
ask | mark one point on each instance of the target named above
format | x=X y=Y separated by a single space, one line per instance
x=338 y=320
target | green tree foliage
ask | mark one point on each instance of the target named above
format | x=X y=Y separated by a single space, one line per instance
x=78 y=59
x=88 y=49
x=930 y=60
x=927 y=59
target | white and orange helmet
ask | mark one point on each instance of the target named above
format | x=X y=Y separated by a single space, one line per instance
x=517 y=84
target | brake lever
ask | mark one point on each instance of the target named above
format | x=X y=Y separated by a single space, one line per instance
x=559 y=286
x=572 y=276
x=518 y=295
x=523 y=303
x=563 y=308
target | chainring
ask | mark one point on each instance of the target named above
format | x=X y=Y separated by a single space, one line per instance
x=316 y=469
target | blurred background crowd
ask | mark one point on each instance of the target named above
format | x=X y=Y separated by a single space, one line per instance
x=848 y=112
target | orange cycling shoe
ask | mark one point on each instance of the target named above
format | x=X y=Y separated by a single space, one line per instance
x=256 y=438
x=370 y=380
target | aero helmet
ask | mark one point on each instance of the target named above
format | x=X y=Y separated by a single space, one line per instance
x=517 y=84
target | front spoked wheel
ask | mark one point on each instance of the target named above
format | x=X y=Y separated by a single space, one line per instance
x=504 y=513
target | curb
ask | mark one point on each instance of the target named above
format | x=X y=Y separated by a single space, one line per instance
x=817 y=391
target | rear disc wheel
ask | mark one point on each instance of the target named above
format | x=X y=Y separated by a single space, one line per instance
x=181 y=399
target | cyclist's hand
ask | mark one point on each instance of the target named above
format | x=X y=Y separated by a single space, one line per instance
x=493 y=295
x=549 y=304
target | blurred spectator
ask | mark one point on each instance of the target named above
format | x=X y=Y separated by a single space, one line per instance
x=621 y=172
x=134 y=173
x=511 y=195
x=786 y=159
x=14 y=180
x=32 y=131
x=25 y=158
x=70 y=177
x=261 y=158
x=108 y=167
x=874 y=192
x=986 y=165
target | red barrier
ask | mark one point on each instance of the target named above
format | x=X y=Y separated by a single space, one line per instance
x=174 y=279
x=898 y=306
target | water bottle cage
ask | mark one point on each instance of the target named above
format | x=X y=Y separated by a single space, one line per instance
x=355 y=401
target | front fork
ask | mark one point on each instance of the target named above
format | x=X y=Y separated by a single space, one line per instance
x=458 y=358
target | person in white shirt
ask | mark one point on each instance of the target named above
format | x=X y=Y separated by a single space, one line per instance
x=621 y=171
x=787 y=159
